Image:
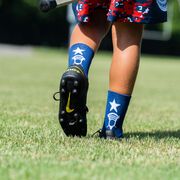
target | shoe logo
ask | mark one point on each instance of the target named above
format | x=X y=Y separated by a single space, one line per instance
x=68 y=109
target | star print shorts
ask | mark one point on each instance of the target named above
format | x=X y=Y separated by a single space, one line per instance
x=137 y=11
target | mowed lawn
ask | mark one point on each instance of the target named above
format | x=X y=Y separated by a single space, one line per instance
x=33 y=146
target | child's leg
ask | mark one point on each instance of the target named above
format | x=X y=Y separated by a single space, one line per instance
x=86 y=39
x=84 y=42
x=123 y=72
x=93 y=32
x=126 y=54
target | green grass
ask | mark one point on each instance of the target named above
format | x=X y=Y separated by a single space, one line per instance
x=33 y=146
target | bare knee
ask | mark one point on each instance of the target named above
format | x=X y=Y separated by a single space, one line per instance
x=126 y=34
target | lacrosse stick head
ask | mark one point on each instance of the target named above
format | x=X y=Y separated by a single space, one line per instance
x=47 y=5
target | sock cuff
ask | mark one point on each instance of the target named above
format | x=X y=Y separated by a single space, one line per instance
x=81 y=55
x=116 y=108
x=124 y=97
x=81 y=46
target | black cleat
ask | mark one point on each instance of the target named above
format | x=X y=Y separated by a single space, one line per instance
x=109 y=134
x=72 y=108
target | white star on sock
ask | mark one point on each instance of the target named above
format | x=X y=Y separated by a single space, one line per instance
x=114 y=105
x=78 y=51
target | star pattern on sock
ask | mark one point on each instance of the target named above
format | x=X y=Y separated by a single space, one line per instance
x=78 y=51
x=114 y=105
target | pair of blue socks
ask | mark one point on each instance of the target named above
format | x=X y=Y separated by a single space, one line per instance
x=117 y=104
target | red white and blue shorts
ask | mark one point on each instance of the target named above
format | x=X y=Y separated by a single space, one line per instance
x=136 y=11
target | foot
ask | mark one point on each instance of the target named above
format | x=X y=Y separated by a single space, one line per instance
x=72 y=108
x=115 y=133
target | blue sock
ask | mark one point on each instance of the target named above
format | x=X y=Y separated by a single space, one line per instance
x=116 y=107
x=82 y=55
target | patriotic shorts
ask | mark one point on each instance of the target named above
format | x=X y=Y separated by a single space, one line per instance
x=137 y=11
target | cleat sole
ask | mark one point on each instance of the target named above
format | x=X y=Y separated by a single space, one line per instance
x=72 y=116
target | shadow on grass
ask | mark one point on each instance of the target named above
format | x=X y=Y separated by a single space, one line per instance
x=156 y=135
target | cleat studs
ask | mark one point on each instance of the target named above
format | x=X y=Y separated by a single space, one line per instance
x=72 y=123
x=63 y=112
x=74 y=91
x=81 y=120
x=61 y=120
x=63 y=82
x=76 y=83
x=76 y=115
x=63 y=90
